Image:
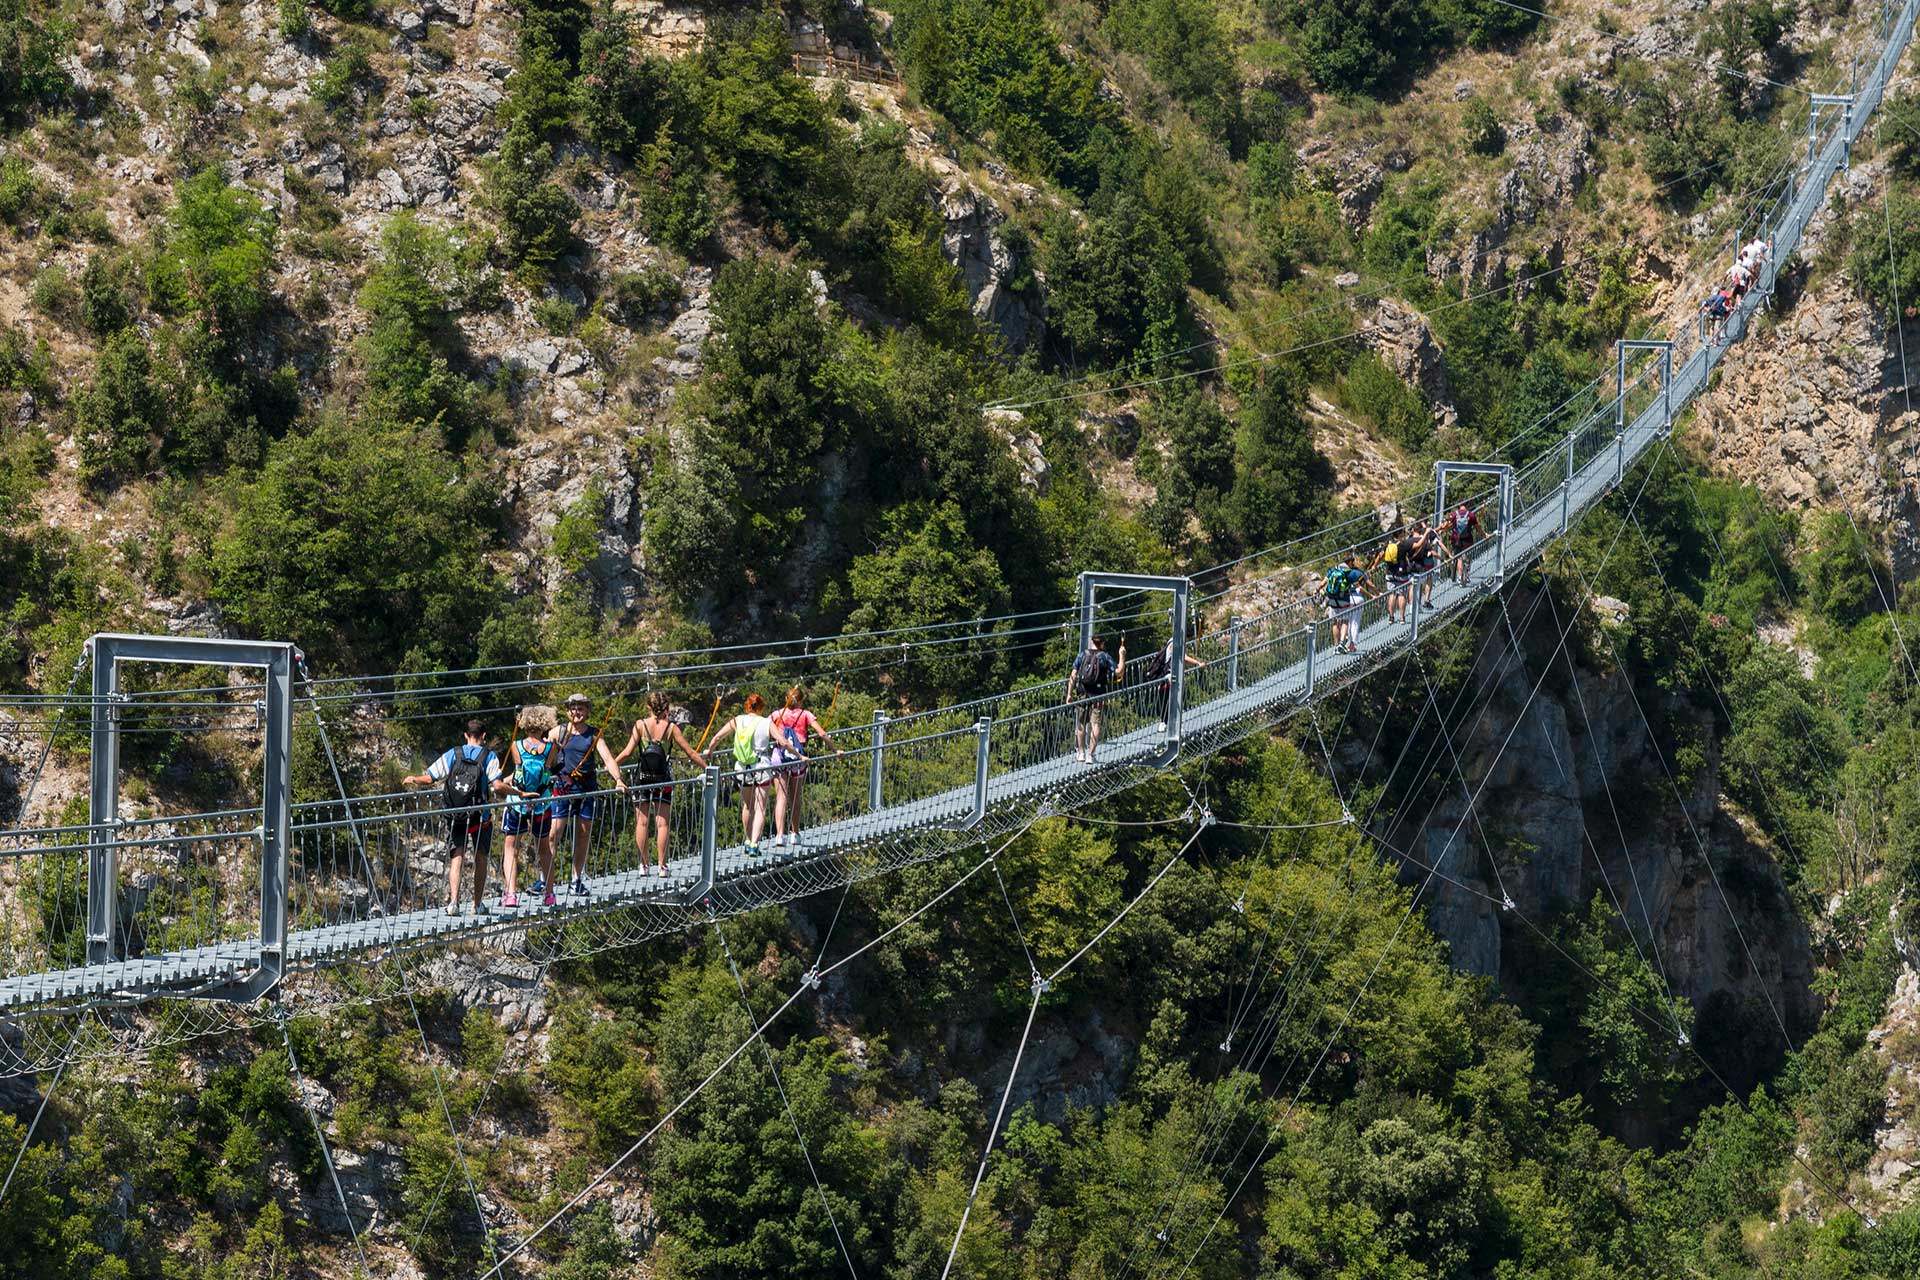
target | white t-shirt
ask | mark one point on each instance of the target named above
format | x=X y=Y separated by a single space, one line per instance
x=1754 y=254
x=1740 y=275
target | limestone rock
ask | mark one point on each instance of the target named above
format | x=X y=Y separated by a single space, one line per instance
x=1005 y=294
x=1404 y=341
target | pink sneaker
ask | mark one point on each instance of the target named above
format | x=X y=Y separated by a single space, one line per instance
x=548 y=901
x=511 y=901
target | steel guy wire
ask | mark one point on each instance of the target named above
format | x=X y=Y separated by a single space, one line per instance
x=1586 y=586
x=300 y=1088
x=773 y=1066
x=1040 y=987
x=811 y=980
x=399 y=967
x=1413 y=900
x=1278 y=1018
x=26 y=1139
x=1626 y=855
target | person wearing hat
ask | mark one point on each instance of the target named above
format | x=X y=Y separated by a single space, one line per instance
x=575 y=780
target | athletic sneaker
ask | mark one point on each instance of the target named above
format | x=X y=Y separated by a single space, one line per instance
x=1080 y=756
x=510 y=901
x=753 y=851
x=453 y=908
x=548 y=900
x=661 y=872
x=539 y=886
x=580 y=889
x=480 y=909
x=1161 y=727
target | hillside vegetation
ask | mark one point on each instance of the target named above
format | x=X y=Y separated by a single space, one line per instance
x=465 y=334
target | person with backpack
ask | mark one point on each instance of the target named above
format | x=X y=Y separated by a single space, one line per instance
x=793 y=726
x=1160 y=667
x=1754 y=254
x=1423 y=544
x=575 y=781
x=1716 y=309
x=1740 y=278
x=1093 y=673
x=530 y=762
x=1394 y=560
x=1346 y=591
x=467 y=774
x=1463 y=529
x=752 y=734
x=652 y=789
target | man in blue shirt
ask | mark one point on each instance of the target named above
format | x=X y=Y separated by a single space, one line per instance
x=468 y=774
x=1092 y=675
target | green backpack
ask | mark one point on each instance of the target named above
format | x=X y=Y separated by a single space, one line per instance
x=745 y=729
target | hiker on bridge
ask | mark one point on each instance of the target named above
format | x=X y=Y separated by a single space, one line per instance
x=1754 y=254
x=1092 y=675
x=575 y=781
x=793 y=727
x=752 y=735
x=1463 y=530
x=1423 y=543
x=530 y=762
x=467 y=773
x=1394 y=560
x=652 y=792
x=1160 y=667
x=1347 y=591
x=1716 y=309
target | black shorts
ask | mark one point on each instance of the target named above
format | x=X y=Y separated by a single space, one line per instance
x=652 y=797
x=470 y=831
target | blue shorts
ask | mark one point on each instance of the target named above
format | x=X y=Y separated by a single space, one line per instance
x=518 y=823
x=565 y=807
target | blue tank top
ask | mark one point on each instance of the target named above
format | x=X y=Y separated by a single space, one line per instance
x=576 y=752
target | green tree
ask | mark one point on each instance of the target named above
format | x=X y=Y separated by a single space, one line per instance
x=1117 y=287
x=360 y=540
x=1365 y=46
x=927 y=568
x=411 y=334
x=622 y=98
x=31 y=77
x=1278 y=473
x=117 y=416
x=215 y=259
x=536 y=214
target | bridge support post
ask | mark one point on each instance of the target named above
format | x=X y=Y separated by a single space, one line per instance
x=1823 y=101
x=1414 y=584
x=982 y=763
x=1233 y=654
x=1177 y=668
x=874 y=793
x=1182 y=588
x=1313 y=635
x=1503 y=509
x=1566 y=488
x=275 y=830
x=709 y=835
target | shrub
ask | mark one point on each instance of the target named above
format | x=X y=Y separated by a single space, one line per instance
x=52 y=293
x=622 y=100
x=1374 y=392
x=295 y=22
x=1480 y=129
x=363 y=536
x=675 y=209
x=556 y=315
x=411 y=341
x=634 y=296
x=117 y=415
x=31 y=76
x=19 y=190
x=536 y=216
x=104 y=283
x=347 y=73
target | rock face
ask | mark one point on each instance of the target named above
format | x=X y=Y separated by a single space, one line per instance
x=1812 y=411
x=1555 y=826
x=1006 y=295
x=1402 y=338
x=1893 y=1171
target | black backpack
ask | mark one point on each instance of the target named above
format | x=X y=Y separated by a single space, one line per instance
x=1156 y=666
x=653 y=757
x=466 y=784
x=1090 y=673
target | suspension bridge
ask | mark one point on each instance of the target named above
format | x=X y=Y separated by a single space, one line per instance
x=232 y=906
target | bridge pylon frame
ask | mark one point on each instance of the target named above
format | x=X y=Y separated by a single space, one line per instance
x=110 y=650
x=1091 y=584
x=1665 y=347
x=1504 y=477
